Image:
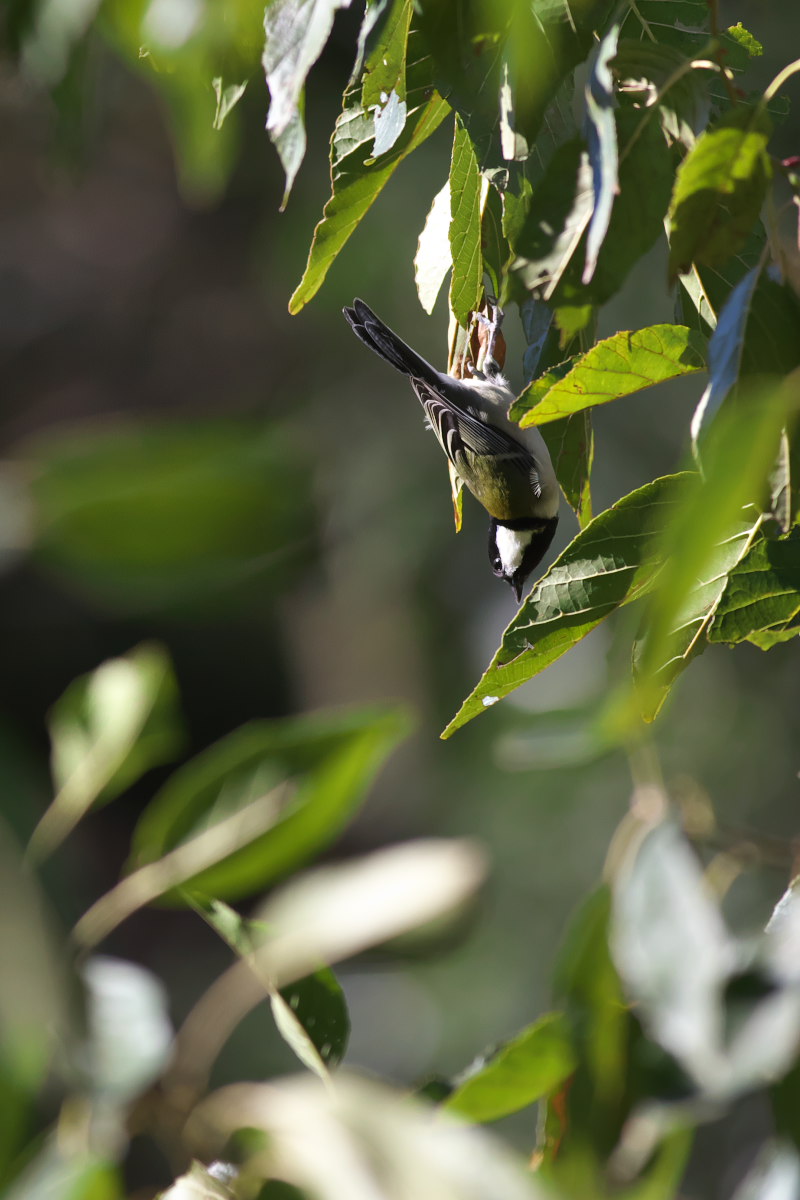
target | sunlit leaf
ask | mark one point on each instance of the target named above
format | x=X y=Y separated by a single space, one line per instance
x=360 y=1139
x=334 y=912
x=107 y=729
x=521 y=1071
x=358 y=178
x=198 y=1183
x=775 y=1176
x=129 y=1035
x=611 y=562
x=326 y=761
x=617 y=366
x=466 y=190
x=296 y=32
x=228 y=96
x=719 y=190
x=433 y=258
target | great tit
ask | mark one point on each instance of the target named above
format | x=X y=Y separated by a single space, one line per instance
x=507 y=469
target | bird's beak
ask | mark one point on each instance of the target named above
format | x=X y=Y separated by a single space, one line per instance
x=517 y=585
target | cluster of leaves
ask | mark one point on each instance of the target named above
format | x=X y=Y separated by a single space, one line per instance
x=664 y=1018
x=553 y=211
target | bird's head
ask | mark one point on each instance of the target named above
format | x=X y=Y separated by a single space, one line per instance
x=517 y=547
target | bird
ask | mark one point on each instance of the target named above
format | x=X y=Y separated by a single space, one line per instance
x=507 y=469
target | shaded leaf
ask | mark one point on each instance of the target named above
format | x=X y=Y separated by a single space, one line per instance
x=719 y=190
x=433 y=258
x=571 y=446
x=56 y=1173
x=601 y=138
x=611 y=562
x=761 y=600
x=466 y=283
x=523 y=1070
x=617 y=366
x=327 y=761
x=357 y=178
x=651 y=72
x=107 y=729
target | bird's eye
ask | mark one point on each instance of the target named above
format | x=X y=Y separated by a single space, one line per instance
x=497 y=565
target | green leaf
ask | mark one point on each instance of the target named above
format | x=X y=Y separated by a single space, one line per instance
x=107 y=729
x=693 y=620
x=357 y=177
x=617 y=366
x=296 y=32
x=523 y=1070
x=310 y=1014
x=433 y=258
x=711 y=530
x=761 y=601
x=466 y=283
x=55 y=1173
x=611 y=562
x=571 y=446
x=228 y=96
x=384 y=38
x=651 y=72
x=327 y=762
x=719 y=190
x=142 y=517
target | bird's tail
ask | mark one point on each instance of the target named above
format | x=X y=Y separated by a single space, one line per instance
x=385 y=343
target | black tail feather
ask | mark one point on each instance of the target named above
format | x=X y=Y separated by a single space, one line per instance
x=371 y=330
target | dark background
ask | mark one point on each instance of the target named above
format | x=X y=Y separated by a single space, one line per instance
x=312 y=561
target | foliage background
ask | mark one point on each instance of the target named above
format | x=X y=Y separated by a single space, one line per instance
x=129 y=306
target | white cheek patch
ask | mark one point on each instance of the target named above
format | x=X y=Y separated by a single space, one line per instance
x=511 y=545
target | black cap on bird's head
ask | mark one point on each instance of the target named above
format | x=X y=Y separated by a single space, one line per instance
x=517 y=547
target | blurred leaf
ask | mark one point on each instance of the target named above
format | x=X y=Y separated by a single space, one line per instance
x=178 y=50
x=36 y=1011
x=466 y=283
x=719 y=190
x=311 y=1013
x=761 y=601
x=357 y=178
x=150 y=517
x=775 y=1176
x=129 y=1031
x=611 y=562
x=601 y=138
x=672 y=949
x=58 y=1175
x=107 y=729
x=656 y=669
x=617 y=366
x=362 y=1140
x=296 y=32
x=523 y=1070
x=433 y=258
x=327 y=760
x=334 y=912
x=56 y=28
x=710 y=532
x=198 y=1183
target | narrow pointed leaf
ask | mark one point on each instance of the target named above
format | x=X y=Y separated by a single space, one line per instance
x=601 y=137
x=465 y=227
x=612 y=561
x=433 y=258
x=617 y=366
x=523 y=1070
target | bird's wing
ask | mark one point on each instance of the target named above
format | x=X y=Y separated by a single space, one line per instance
x=463 y=436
